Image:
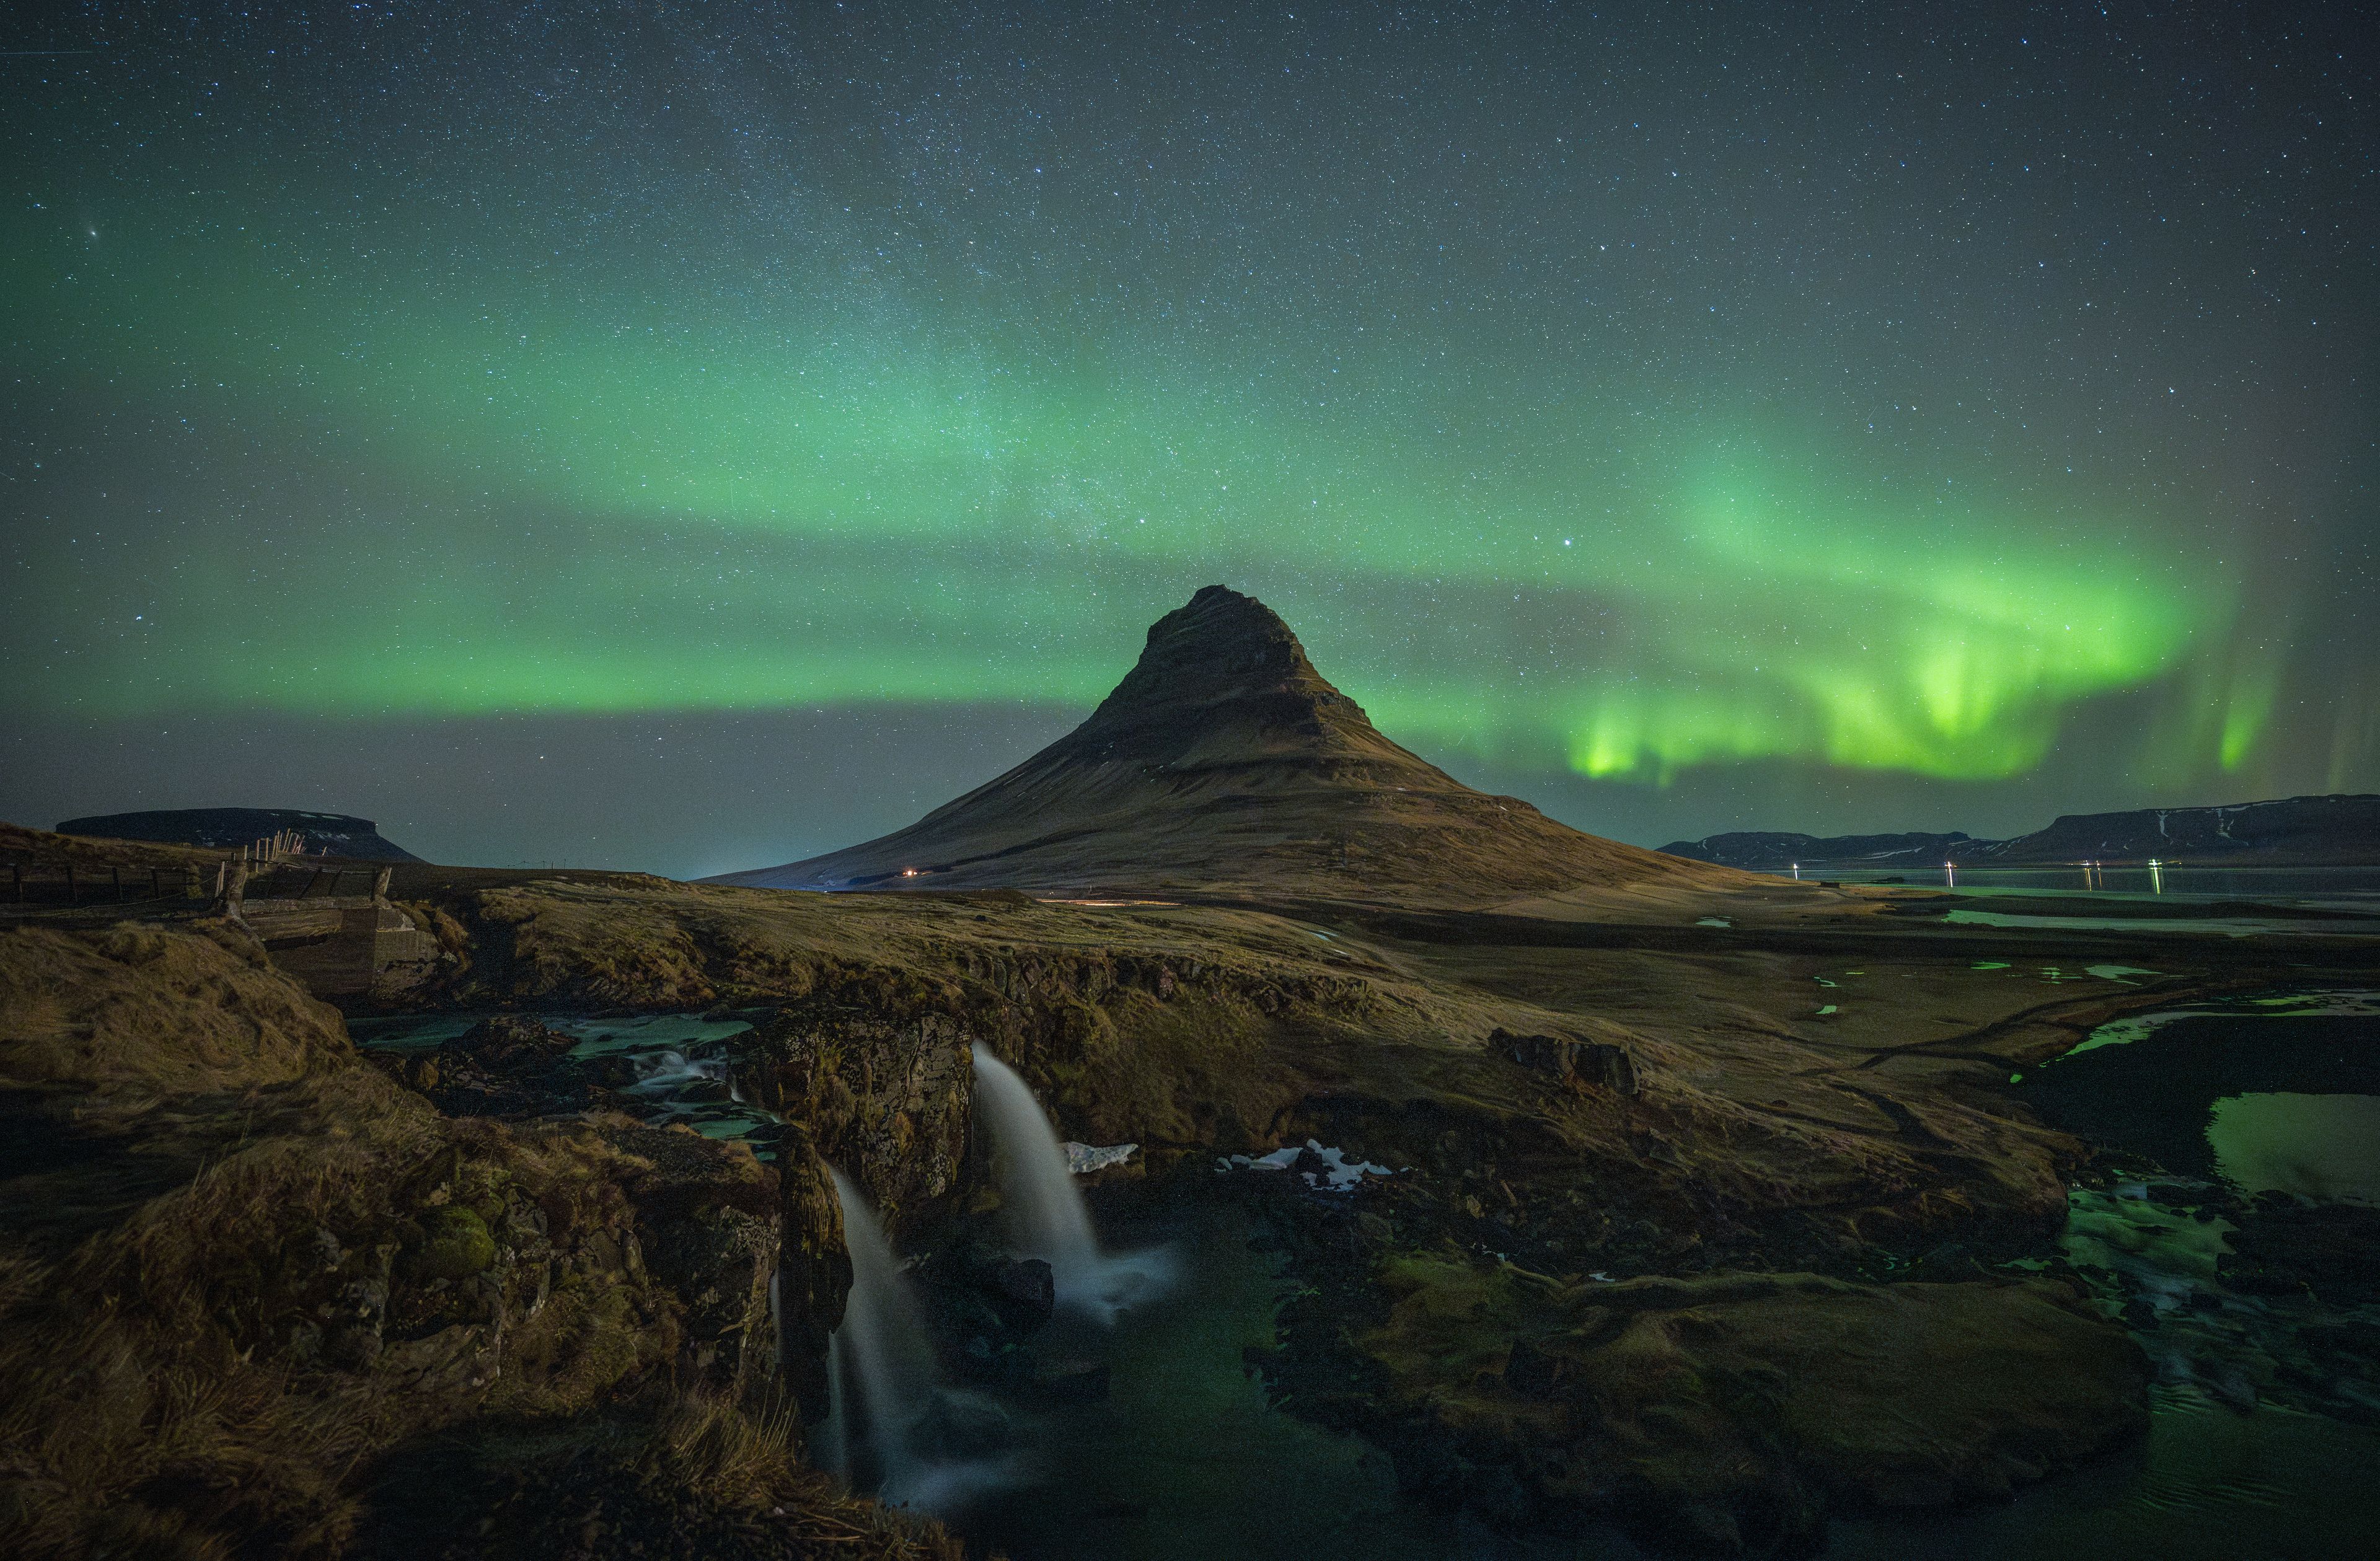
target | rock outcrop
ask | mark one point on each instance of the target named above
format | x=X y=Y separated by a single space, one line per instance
x=1733 y=1410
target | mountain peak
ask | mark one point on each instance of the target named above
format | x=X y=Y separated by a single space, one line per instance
x=1223 y=678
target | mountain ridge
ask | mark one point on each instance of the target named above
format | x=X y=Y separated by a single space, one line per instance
x=2331 y=829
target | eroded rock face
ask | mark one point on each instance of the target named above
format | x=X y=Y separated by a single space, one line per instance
x=1571 y=1061
x=882 y=1097
x=814 y=1273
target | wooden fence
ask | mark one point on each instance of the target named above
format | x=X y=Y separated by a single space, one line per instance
x=51 y=883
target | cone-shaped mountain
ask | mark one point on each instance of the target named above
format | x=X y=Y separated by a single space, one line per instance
x=1224 y=763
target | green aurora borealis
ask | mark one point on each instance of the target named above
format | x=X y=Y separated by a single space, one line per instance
x=1661 y=401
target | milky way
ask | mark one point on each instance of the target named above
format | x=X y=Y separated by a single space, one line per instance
x=1677 y=416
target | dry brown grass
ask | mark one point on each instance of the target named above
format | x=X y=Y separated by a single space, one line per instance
x=143 y=1008
x=227 y=1171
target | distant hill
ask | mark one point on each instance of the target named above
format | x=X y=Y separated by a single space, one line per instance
x=1770 y=851
x=327 y=834
x=2330 y=831
x=2314 y=831
x=1225 y=762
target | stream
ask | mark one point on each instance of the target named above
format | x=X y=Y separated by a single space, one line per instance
x=2237 y=1241
x=679 y=1063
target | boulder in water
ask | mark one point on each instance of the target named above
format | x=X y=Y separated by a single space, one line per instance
x=1024 y=1292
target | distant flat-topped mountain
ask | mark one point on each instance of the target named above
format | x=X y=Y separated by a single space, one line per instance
x=1224 y=762
x=2329 y=831
x=326 y=834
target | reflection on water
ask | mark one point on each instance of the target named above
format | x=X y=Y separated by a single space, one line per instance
x=2323 y=1147
x=2159 y=1085
x=2255 y=1305
x=2209 y=1484
x=2236 y=927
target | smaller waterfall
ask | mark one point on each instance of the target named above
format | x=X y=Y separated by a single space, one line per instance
x=1047 y=1216
x=890 y=1426
x=881 y=1355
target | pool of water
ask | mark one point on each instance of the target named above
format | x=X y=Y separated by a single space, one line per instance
x=2276 y=1090
x=2265 y=1417
x=2244 y=1118
x=680 y=1060
x=1186 y=1459
x=2209 y=1483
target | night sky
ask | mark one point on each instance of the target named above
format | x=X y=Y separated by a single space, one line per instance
x=689 y=437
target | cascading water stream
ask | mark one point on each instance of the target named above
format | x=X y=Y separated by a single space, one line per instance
x=1047 y=1218
x=892 y=1427
x=883 y=1354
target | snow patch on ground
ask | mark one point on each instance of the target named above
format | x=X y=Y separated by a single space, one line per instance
x=1340 y=1174
x=1084 y=1159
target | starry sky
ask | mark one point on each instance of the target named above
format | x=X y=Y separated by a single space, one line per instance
x=691 y=436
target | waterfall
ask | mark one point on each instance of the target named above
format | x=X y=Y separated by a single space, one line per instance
x=1047 y=1217
x=882 y=1355
x=890 y=1426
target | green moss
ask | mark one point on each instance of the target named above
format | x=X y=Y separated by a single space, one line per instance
x=455 y=1244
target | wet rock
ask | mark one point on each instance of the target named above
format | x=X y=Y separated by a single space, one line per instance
x=510 y=1040
x=814 y=1272
x=1025 y=1292
x=509 y=1066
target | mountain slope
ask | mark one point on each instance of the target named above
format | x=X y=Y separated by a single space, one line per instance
x=1225 y=762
